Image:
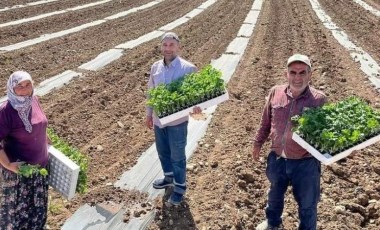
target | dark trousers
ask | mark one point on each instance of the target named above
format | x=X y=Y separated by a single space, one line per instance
x=304 y=177
x=170 y=144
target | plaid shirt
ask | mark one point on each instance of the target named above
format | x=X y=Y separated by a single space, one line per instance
x=276 y=119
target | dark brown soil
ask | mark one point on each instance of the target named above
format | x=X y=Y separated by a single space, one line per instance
x=31 y=11
x=360 y=25
x=373 y=3
x=10 y=3
x=49 y=58
x=56 y=23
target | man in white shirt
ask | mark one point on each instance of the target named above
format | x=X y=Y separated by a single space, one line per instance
x=170 y=138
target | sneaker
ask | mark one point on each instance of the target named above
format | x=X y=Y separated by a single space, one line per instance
x=265 y=226
x=162 y=183
x=175 y=199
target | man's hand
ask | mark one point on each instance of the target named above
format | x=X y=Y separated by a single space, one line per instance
x=197 y=110
x=256 y=153
x=149 y=122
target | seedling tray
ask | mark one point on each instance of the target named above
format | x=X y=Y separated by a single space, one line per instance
x=185 y=112
x=63 y=173
x=328 y=159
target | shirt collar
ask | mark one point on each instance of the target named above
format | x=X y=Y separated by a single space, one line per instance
x=174 y=63
x=305 y=93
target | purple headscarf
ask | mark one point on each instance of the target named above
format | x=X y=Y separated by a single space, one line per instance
x=22 y=104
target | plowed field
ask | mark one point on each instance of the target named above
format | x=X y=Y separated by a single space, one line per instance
x=226 y=189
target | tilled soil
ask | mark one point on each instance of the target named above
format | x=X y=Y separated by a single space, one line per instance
x=10 y=3
x=56 y=23
x=31 y=11
x=360 y=25
x=373 y=3
x=103 y=112
x=52 y=57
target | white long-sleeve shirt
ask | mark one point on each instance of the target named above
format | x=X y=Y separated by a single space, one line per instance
x=163 y=74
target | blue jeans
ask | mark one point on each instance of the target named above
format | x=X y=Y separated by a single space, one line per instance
x=170 y=144
x=304 y=177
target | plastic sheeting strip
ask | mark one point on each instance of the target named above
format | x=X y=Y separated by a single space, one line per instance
x=26 y=5
x=46 y=37
x=41 y=16
x=367 y=64
x=368 y=7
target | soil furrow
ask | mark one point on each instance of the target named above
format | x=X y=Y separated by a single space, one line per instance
x=31 y=11
x=52 y=57
x=10 y=3
x=373 y=3
x=362 y=27
x=60 y=22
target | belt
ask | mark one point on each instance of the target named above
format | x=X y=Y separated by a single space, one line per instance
x=283 y=155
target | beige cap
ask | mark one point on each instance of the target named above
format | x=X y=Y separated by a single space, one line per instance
x=299 y=58
x=171 y=35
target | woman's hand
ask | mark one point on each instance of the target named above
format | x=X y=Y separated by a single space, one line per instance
x=11 y=166
x=14 y=166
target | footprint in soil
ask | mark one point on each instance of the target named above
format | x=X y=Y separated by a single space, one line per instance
x=174 y=217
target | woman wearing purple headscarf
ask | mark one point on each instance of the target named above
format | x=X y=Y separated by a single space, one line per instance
x=23 y=139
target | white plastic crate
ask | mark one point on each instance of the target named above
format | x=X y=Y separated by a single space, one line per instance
x=185 y=112
x=327 y=158
x=63 y=173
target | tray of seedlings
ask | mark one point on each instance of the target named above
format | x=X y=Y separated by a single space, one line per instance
x=173 y=101
x=64 y=173
x=335 y=130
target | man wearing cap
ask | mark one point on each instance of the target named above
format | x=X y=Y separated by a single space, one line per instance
x=171 y=138
x=288 y=163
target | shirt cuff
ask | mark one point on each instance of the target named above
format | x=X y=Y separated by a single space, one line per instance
x=149 y=111
x=257 y=144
